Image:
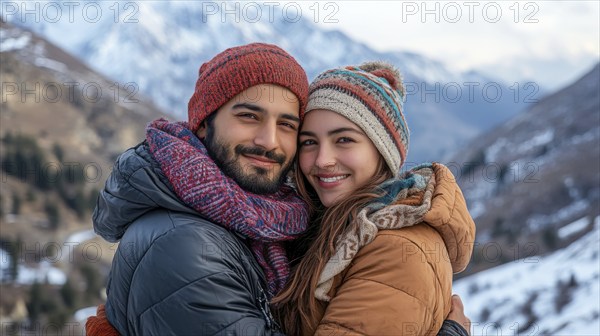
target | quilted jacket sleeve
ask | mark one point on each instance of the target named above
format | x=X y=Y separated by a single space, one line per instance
x=452 y=328
x=450 y=216
x=190 y=281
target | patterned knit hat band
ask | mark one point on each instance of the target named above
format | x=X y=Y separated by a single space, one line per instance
x=371 y=96
x=239 y=68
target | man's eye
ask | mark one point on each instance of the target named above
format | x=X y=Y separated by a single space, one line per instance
x=248 y=115
x=289 y=125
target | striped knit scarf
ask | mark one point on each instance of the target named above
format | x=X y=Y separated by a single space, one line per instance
x=266 y=220
x=404 y=203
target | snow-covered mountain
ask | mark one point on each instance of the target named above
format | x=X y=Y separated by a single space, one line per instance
x=159 y=45
x=557 y=294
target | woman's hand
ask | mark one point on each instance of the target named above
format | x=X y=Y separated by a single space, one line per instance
x=457 y=313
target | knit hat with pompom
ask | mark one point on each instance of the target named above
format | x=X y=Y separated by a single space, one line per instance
x=371 y=96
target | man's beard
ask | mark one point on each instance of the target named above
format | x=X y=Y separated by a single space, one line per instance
x=258 y=181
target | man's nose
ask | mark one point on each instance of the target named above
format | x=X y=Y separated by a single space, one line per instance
x=266 y=137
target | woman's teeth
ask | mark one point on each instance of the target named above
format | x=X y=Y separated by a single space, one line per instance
x=332 y=179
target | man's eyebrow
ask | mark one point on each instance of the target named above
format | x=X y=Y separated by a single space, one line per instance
x=290 y=117
x=257 y=108
x=333 y=132
x=249 y=106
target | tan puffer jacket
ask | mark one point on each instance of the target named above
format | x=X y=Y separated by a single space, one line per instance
x=401 y=283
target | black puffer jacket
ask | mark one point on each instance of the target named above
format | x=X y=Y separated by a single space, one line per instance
x=174 y=273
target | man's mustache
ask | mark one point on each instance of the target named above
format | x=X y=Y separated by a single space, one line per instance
x=271 y=155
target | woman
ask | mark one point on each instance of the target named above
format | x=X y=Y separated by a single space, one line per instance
x=383 y=246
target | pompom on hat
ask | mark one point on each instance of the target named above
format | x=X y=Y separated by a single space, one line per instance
x=371 y=96
x=239 y=68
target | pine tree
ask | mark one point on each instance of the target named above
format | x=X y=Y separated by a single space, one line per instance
x=80 y=203
x=91 y=276
x=35 y=303
x=8 y=138
x=58 y=152
x=15 y=255
x=30 y=195
x=68 y=294
x=550 y=237
x=53 y=214
x=16 y=206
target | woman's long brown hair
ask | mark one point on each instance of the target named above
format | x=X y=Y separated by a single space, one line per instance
x=296 y=304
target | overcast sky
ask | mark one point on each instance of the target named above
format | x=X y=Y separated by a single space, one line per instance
x=550 y=42
x=553 y=42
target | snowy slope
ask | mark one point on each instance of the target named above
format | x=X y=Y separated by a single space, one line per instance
x=557 y=294
x=28 y=274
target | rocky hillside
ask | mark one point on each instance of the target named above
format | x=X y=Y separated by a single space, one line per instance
x=62 y=126
x=50 y=93
x=527 y=179
x=62 y=118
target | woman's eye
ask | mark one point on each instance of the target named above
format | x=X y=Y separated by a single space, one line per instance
x=307 y=142
x=345 y=140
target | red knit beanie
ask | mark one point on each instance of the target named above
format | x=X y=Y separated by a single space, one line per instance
x=239 y=68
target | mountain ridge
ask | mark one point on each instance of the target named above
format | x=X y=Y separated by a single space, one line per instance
x=161 y=56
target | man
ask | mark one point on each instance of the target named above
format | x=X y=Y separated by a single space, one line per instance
x=201 y=222
x=201 y=210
